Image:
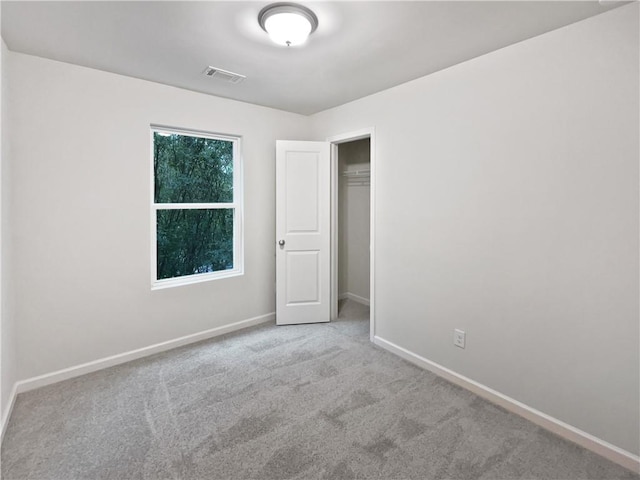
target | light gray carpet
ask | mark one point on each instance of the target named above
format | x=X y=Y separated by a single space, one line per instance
x=304 y=402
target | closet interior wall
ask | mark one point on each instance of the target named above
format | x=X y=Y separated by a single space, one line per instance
x=354 y=220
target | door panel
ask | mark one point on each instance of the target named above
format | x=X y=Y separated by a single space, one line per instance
x=304 y=266
x=302 y=232
x=303 y=202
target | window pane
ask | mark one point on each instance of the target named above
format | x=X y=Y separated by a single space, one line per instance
x=194 y=241
x=192 y=169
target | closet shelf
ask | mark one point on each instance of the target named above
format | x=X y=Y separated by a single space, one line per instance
x=357 y=178
x=361 y=183
x=357 y=173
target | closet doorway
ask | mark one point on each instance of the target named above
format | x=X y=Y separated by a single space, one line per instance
x=351 y=218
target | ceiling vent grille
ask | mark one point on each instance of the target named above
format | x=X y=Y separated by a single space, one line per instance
x=223 y=75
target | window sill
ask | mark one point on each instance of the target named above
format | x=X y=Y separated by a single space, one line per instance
x=191 y=279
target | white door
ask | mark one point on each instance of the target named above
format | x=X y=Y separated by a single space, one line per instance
x=302 y=232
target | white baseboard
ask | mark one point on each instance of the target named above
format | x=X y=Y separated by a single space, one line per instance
x=354 y=297
x=7 y=413
x=71 y=372
x=564 y=430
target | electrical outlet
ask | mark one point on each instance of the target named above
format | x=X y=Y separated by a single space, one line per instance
x=459 y=338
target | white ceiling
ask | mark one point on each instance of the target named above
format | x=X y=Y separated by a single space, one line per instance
x=358 y=49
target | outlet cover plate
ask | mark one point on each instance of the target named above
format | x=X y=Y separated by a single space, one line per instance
x=459 y=338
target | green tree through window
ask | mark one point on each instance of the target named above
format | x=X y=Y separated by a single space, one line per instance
x=194 y=203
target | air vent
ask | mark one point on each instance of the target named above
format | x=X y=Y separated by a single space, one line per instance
x=223 y=75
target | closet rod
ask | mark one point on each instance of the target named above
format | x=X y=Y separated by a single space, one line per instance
x=356 y=173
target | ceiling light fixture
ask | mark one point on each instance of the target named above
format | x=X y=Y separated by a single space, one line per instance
x=287 y=23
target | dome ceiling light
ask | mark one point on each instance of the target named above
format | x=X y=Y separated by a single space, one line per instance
x=287 y=23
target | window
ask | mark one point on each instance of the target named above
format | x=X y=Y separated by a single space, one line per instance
x=196 y=207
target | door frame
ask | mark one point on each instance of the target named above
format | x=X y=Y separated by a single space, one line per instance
x=335 y=176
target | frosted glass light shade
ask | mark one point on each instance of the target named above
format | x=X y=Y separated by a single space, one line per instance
x=287 y=23
x=288 y=28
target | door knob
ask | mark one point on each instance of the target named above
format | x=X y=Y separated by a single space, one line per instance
x=281 y=243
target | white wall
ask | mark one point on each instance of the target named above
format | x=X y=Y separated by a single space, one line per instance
x=81 y=214
x=2 y=177
x=7 y=328
x=353 y=222
x=507 y=205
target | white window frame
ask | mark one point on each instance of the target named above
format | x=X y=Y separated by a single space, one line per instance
x=236 y=205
